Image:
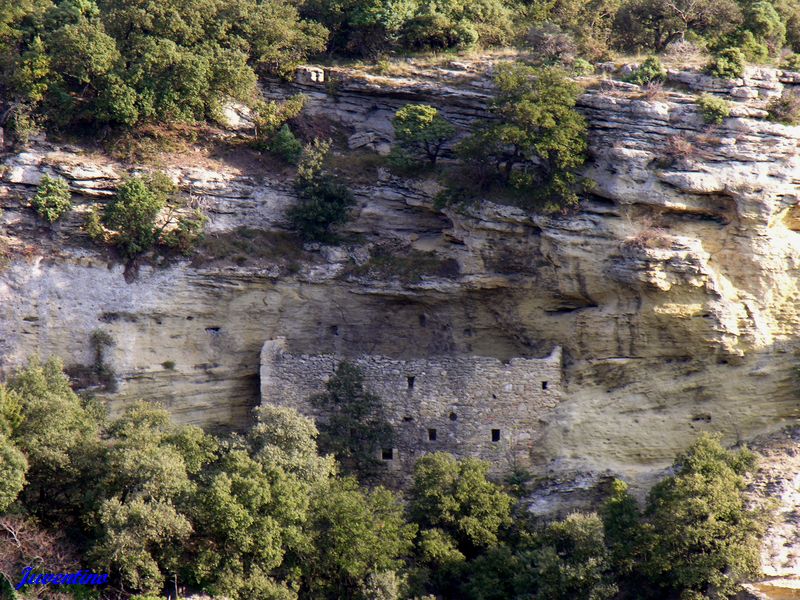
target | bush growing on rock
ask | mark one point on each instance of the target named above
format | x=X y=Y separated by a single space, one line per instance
x=650 y=71
x=728 y=64
x=791 y=63
x=714 y=110
x=421 y=131
x=323 y=202
x=53 y=199
x=286 y=145
x=582 y=67
x=143 y=213
x=785 y=109
x=696 y=534
x=537 y=141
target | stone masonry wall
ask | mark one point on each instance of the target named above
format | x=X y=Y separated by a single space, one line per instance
x=471 y=405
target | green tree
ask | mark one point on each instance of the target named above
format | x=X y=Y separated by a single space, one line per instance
x=766 y=24
x=284 y=439
x=362 y=27
x=355 y=535
x=246 y=516
x=147 y=475
x=124 y=62
x=572 y=561
x=144 y=212
x=323 y=202
x=700 y=533
x=420 y=130
x=622 y=526
x=135 y=534
x=538 y=129
x=456 y=497
x=354 y=428
x=13 y=467
x=59 y=451
x=53 y=199
x=459 y=24
x=654 y=24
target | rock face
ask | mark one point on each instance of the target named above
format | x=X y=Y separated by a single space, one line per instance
x=673 y=291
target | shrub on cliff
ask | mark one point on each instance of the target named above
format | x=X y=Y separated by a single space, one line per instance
x=286 y=145
x=323 y=202
x=53 y=199
x=537 y=141
x=144 y=212
x=728 y=64
x=649 y=71
x=421 y=131
x=785 y=109
x=714 y=110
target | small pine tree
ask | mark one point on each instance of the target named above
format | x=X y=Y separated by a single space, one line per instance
x=53 y=199
x=355 y=428
x=323 y=202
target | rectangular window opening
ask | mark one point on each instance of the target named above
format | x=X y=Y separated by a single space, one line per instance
x=544 y=385
x=495 y=435
x=387 y=454
x=411 y=380
x=432 y=435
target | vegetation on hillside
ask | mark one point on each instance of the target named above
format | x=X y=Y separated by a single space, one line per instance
x=265 y=515
x=146 y=211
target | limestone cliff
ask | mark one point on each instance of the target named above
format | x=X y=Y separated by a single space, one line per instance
x=673 y=291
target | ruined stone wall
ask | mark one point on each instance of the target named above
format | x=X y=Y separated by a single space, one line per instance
x=466 y=405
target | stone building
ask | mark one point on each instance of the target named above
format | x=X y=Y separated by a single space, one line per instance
x=465 y=405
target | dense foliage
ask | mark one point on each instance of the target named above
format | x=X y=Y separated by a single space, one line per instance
x=323 y=202
x=124 y=62
x=144 y=212
x=421 y=132
x=537 y=141
x=355 y=430
x=714 y=110
x=52 y=200
x=264 y=515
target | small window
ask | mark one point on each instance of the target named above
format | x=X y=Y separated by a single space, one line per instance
x=410 y=380
x=432 y=435
x=334 y=329
x=495 y=435
x=453 y=416
x=387 y=454
x=544 y=385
